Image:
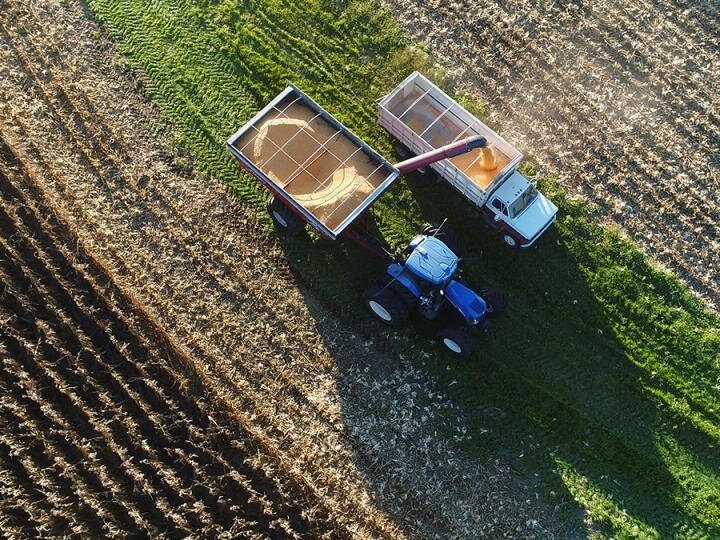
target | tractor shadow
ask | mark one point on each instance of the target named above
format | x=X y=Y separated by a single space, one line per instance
x=552 y=398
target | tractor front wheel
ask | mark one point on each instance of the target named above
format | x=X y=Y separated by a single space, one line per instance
x=495 y=302
x=284 y=218
x=459 y=340
x=386 y=305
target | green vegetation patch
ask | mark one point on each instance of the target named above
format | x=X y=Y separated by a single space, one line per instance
x=602 y=385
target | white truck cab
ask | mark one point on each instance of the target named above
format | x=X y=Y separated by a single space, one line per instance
x=422 y=118
x=520 y=211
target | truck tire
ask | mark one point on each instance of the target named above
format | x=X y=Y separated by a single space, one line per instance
x=387 y=306
x=402 y=151
x=447 y=236
x=285 y=219
x=458 y=340
x=510 y=240
x=495 y=301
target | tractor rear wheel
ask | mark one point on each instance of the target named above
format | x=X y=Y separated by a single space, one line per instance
x=495 y=302
x=458 y=340
x=386 y=305
x=447 y=236
x=284 y=218
x=398 y=288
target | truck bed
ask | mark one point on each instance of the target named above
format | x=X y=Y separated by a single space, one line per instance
x=312 y=161
x=423 y=118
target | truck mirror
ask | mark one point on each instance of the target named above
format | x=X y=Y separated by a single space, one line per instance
x=498 y=217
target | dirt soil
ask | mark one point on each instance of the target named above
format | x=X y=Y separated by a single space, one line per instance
x=162 y=373
x=617 y=99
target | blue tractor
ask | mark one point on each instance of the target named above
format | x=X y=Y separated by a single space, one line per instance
x=321 y=174
x=426 y=279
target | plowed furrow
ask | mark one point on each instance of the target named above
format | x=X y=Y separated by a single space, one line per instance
x=101 y=342
x=69 y=400
x=92 y=329
x=149 y=431
x=91 y=480
x=265 y=486
x=23 y=502
x=62 y=471
x=18 y=495
x=250 y=508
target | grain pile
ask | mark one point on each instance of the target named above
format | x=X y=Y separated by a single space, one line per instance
x=436 y=126
x=321 y=168
x=617 y=99
x=162 y=372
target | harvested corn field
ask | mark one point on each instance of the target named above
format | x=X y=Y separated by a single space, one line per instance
x=590 y=408
x=164 y=376
x=618 y=100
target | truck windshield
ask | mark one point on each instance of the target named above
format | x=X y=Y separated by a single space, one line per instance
x=523 y=201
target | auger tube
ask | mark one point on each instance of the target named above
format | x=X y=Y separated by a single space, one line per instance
x=444 y=152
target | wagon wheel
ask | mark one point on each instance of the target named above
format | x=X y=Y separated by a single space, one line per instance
x=284 y=218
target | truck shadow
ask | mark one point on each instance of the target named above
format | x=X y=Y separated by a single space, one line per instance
x=556 y=402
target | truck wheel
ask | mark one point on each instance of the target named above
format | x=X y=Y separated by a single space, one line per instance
x=458 y=340
x=510 y=240
x=402 y=151
x=387 y=306
x=447 y=236
x=284 y=218
x=495 y=302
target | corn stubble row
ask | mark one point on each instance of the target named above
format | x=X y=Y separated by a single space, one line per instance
x=162 y=373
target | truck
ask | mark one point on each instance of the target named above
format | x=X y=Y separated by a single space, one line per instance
x=421 y=117
x=321 y=174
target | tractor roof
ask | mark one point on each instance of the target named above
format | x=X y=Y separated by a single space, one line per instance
x=432 y=261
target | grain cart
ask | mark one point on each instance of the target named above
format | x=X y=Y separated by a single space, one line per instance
x=422 y=117
x=322 y=174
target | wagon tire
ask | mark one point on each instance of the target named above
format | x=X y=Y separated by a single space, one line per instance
x=285 y=219
x=458 y=340
x=447 y=236
x=386 y=305
x=495 y=302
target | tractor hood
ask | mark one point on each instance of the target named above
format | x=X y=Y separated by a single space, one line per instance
x=432 y=261
x=467 y=302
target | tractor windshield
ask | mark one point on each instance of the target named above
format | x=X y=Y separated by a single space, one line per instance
x=523 y=201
